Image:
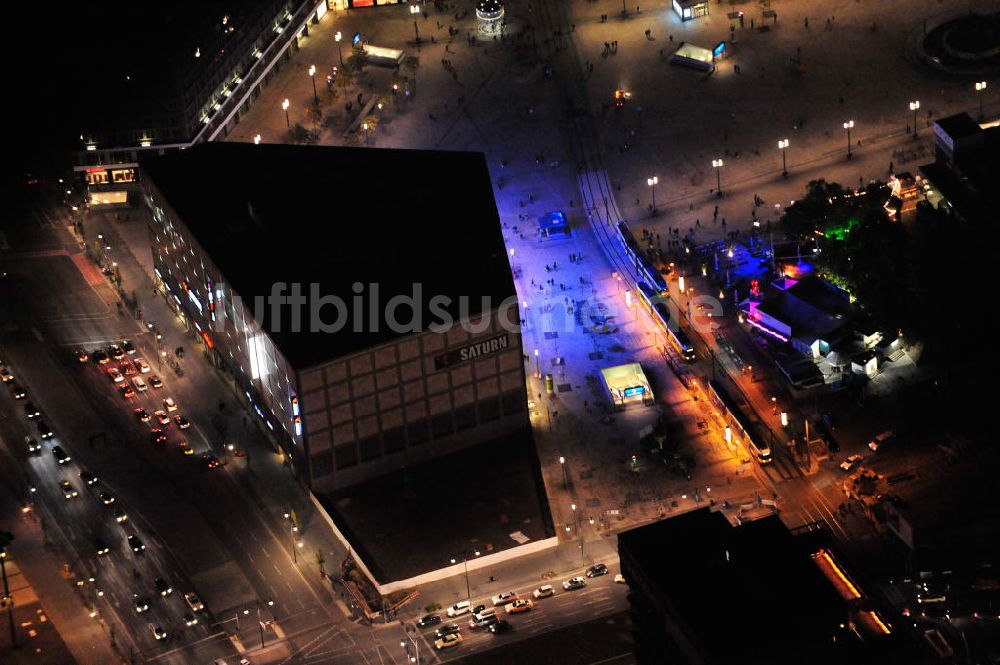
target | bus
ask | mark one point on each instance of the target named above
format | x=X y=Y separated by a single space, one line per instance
x=738 y=423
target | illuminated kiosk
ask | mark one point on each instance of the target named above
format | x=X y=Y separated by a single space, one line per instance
x=489 y=11
x=689 y=9
x=627 y=384
x=693 y=56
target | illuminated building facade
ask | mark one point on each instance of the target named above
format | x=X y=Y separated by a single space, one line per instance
x=234 y=224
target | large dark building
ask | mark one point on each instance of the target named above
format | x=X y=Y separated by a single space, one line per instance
x=234 y=223
x=705 y=592
x=963 y=177
x=169 y=76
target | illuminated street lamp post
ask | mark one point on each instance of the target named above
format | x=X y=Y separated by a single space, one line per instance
x=256 y=139
x=562 y=463
x=913 y=107
x=260 y=622
x=465 y=562
x=717 y=165
x=414 y=9
x=782 y=146
x=284 y=105
x=5 y=540
x=848 y=125
x=337 y=37
x=538 y=368
x=579 y=533
x=651 y=183
x=980 y=88
x=312 y=75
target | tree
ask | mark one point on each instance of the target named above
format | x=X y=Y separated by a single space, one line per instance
x=299 y=134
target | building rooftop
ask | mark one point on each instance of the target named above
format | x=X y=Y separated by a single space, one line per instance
x=412 y=222
x=747 y=594
x=469 y=500
x=812 y=308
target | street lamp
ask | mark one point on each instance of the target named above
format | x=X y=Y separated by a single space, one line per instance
x=651 y=183
x=538 y=368
x=256 y=139
x=579 y=534
x=312 y=75
x=980 y=88
x=717 y=165
x=337 y=37
x=913 y=107
x=414 y=9
x=848 y=125
x=782 y=144
x=465 y=563
x=284 y=105
x=562 y=463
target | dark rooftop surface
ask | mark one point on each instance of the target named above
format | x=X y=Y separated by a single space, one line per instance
x=747 y=594
x=472 y=499
x=340 y=216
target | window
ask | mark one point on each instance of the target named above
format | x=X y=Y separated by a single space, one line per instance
x=417 y=432
x=489 y=410
x=346 y=455
x=441 y=425
x=513 y=402
x=322 y=464
x=394 y=440
x=370 y=448
x=465 y=417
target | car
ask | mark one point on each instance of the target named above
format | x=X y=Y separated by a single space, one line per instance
x=120 y=515
x=16 y=391
x=186 y=449
x=428 y=620
x=60 y=455
x=116 y=352
x=619 y=579
x=161 y=417
x=848 y=464
x=127 y=368
x=136 y=544
x=128 y=347
x=504 y=598
x=158 y=632
x=574 y=583
x=68 y=490
x=162 y=587
x=31 y=411
x=447 y=629
x=182 y=422
x=34 y=448
x=115 y=375
x=621 y=97
x=44 y=430
x=141 y=415
x=5 y=375
x=88 y=478
x=597 y=570
x=500 y=627
x=212 y=462
x=142 y=365
x=127 y=391
x=156 y=437
x=543 y=591
x=193 y=601
x=101 y=547
x=82 y=355
x=458 y=609
x=447 y=641
x=881 y=440
x=520 y=605
x=106 y=498
x=155 y=381
x=169 y=404
x=140 y=604
x=139 y=384
x=190 y=619
x=477 y=609
x=484 y=622
x=100 y=357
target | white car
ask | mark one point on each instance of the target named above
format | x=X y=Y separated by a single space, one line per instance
x=139 y=384
x=193 y=601
x=848 y=464
x=574 y=583
x=504 y=598
x=170 y=405
x=458 y=609
x=544 y=591
x=142 y=365
x=447 y=641
x=158 y=632
x=115 y=375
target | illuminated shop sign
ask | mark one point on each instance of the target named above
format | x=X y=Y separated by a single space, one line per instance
x=634 y=391
x=471 y=351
